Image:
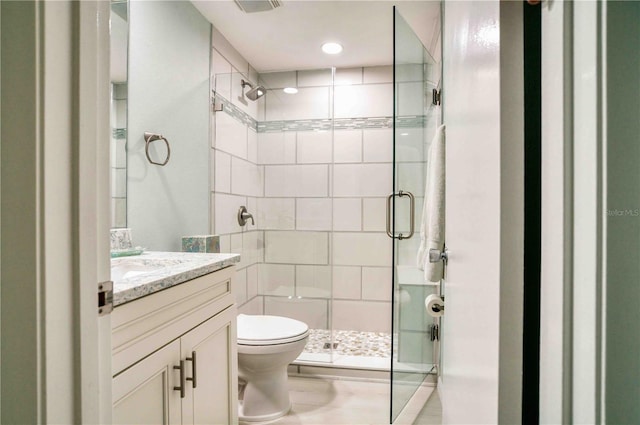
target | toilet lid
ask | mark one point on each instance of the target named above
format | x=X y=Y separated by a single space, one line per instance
x=269 y=330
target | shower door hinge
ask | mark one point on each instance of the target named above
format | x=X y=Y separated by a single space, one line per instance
x=105 y=298
x=434 y=330
x=437 y=96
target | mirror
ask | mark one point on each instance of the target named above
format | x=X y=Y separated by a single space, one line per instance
x=118 y=119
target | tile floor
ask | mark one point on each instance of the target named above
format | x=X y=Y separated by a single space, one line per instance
x=319 y=401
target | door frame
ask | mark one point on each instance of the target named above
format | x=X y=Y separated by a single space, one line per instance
x=55 y=358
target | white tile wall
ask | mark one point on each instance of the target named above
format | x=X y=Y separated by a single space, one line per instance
x=313 y=281
x=278 y=80
x=376 y=283
x=225 y=243
x=314 y=147
x=377 y=145
x=277 y=148
x=362 y=316
x=372 y=100
x=252 y=146
x=226 y=213
x=362 y=180
x=253 y=306
x=361 y=249
x=236 y=248
x=296 y=180
x=246 y=178
x=378 y=74
x=411 y=177
x=409 y=72
x=347 y=146
x=308 y=103
x=276 y=213
x=411 y=99
x=222 y=75
x=313 y=213
x=276 y=279
x=252 y=281
x=240 y=288
x=410 y=145
x=374 y=214
x=231 y=135
x=347 y=214
x=221 y=171
x=250 y=250
x=313 y=312
x=296 y=247
x=346 y=282
x=313 y=78
x=348 y=76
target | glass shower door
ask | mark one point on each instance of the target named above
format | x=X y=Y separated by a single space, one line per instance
x=414 y=121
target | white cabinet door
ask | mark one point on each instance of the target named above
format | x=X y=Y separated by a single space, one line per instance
x=144 y=394
x=214 y=398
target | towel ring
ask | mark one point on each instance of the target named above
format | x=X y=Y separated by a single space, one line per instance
x=153 y=137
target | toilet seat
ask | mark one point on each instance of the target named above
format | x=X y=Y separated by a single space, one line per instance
x=261 y=330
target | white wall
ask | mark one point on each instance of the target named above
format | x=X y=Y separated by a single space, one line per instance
x=168 y=94
x=482 y=101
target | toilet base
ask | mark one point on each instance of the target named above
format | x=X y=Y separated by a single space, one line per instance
x=266 y=397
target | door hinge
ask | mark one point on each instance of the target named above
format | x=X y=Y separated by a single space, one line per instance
x=434 y=330
x=105 y=298
x=437 y=97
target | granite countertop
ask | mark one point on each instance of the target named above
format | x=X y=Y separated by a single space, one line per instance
x=140 y=275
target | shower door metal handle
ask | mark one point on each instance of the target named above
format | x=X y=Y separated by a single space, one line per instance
x=412 y=203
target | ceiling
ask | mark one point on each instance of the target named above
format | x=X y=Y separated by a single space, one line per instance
x=290 y=37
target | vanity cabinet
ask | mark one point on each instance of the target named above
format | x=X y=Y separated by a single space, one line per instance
x=175 y=356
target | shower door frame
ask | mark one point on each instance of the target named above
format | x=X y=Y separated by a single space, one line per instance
x=399 y=378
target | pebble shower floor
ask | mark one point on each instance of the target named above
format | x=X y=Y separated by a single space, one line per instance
x=350 y=343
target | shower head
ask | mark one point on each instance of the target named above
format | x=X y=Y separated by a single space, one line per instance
x=255 y=92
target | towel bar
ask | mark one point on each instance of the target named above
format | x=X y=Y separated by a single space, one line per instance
x=152 y=137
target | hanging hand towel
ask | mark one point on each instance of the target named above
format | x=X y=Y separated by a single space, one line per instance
x=432 y=225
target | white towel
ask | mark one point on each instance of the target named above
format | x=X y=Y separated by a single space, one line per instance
x=432 y=225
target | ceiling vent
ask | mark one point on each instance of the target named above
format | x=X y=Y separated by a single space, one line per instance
x=253 y=6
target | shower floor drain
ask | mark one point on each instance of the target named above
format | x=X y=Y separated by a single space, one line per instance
x=327 y=345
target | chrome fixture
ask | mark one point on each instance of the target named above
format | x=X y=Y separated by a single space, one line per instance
x=244 y=216
x=412 y=201
x=255 y=92
x=435 y=255
x=152 y=137
x=253 y=6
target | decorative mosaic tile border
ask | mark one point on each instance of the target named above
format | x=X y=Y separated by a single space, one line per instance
x=235 y=112
x=412 y=121
x=119 y=133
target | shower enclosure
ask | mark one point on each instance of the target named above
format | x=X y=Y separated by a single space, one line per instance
x=316 y=164
x=416 y=116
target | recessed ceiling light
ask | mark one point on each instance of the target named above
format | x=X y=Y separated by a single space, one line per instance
x=404 y=134
x=331 y=48
x=290 y=90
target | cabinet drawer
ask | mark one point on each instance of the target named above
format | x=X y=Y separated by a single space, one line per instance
x=144 y=325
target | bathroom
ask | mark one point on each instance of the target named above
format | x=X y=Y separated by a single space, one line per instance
x=313 y=168
x=55 y=196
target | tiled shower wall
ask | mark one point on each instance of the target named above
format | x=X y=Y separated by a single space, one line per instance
x=317 y=188
x=327 y=259
x=118 y=155
x=236 y=179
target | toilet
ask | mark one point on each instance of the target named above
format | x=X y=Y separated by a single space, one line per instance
x=266 y=346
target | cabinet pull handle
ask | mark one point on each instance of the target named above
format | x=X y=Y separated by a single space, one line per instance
x=182 y=386
x=192 y=359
